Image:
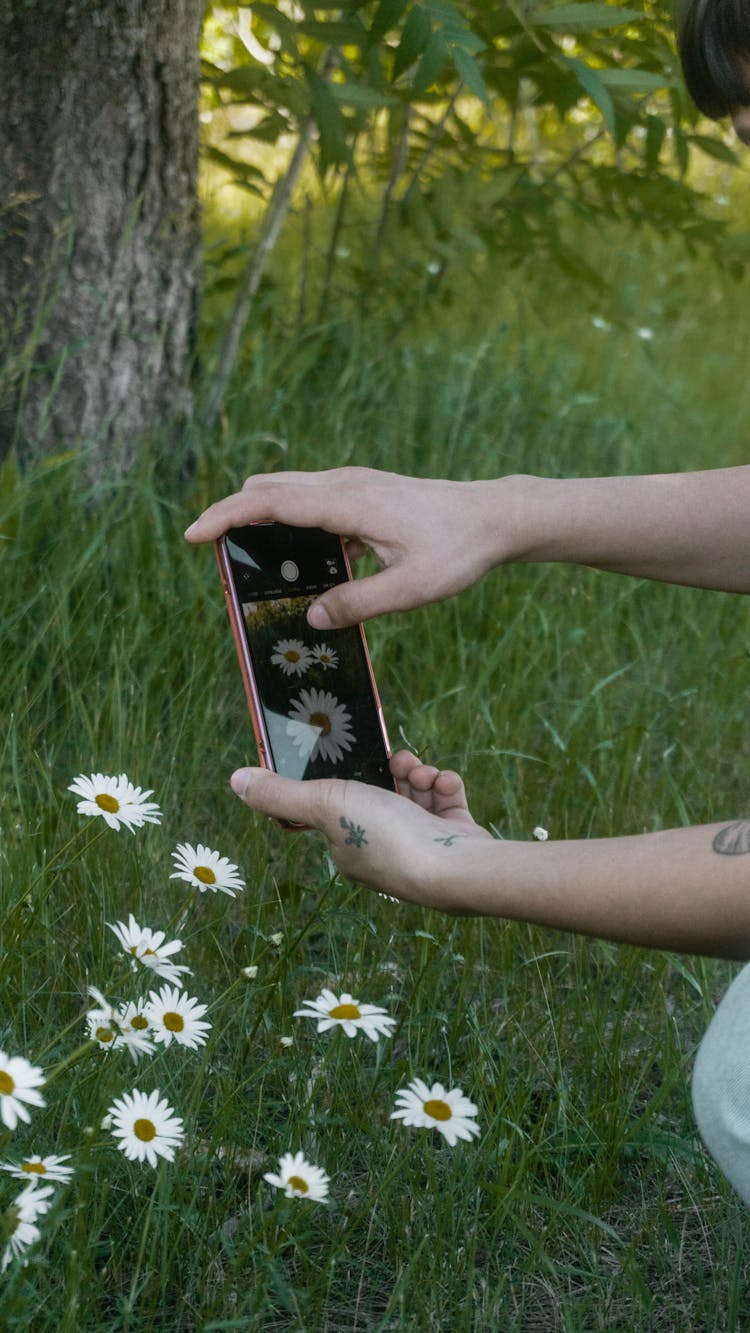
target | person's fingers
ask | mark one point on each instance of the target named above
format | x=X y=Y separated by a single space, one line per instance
x=391 y=589
x=310 y=803
x=304 y=503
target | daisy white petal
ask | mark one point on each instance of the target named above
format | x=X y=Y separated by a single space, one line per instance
x=175 y=1016
x=319 y=726
x=352 y=1015
x=18 y=1083
x=298 y=1178
x=32 y=1169
x=449 y=1112
x=205 y=869
x=292 y=656
x=146 y=1126
x=115 y=800
x=149 y=948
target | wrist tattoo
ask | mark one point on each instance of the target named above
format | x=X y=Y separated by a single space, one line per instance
x=450 y=839
x=355 y=834
x=734 y=840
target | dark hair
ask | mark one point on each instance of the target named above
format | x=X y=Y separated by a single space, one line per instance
x=713 y=38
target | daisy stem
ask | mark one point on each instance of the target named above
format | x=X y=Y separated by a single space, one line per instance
x=78 y=1054
x=25 y=897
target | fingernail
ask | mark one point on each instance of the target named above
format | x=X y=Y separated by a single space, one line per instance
x=318 y=617
x=239 y=780
x=188 y=531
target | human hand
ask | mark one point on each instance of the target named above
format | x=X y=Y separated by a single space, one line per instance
x=432 y=538
x=415 y=846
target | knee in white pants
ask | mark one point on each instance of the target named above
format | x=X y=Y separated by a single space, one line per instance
x=721 y=1085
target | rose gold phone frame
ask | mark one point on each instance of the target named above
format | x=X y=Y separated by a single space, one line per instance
x=237 y=622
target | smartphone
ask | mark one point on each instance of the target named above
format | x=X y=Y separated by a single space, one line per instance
x=312 y=696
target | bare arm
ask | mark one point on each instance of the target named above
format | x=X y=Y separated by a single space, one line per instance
x=683 y=889
x=683 y=527
x=433 y=538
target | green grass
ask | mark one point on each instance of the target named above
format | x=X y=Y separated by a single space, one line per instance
x=584 y=702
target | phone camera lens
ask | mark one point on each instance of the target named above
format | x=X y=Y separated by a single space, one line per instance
x=290 y=571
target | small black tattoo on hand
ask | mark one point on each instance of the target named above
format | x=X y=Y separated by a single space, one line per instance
x=733 y=840
x=355 y=834
x=451 y=838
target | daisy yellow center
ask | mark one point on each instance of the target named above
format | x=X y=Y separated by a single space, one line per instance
x=139 y=1022
x=145 y=1130
x=34 y=1168
x=7 y=1084
x=174 y=1022
x=108 y=803
x=292 y=655
x=205 y=874
x=299 y=1184
x=104 y=1034
x=344 y=1011
x=322 y=721
x=438 y=1110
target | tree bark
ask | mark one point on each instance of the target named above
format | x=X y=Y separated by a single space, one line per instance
x=99 y=224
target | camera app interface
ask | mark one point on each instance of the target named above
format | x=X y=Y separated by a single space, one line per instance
x=315 y=689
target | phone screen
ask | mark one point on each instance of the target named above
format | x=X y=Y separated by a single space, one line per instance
x=316 y=691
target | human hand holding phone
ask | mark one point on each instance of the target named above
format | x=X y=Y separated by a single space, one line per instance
x=313 y=702
x=432 y=537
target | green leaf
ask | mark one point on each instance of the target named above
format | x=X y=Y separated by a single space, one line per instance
x=583 y=18
x=590 y=81
x=656 y=131
x=280 y=23
x=360 y=95
x=414 y=39
x=236 y=166
x=635 y=80
x=469 y=71
x=431 y=64
x=713 y=147
x=334 y=33
x=333 y=145
x=387 y=16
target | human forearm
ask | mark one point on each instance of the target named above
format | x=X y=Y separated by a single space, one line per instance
x=682 y=889
x=690 y=528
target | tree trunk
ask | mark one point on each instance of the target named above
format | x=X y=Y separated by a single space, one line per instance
x=99 y=227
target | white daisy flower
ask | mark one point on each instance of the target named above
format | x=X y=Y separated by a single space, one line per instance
x=325 y=656
x=34 y=1201
x=292 y=655
x=319 y=726
x=22 y=1235
x=116 y=800
x=175 y=1016
x=298 y=1178
x=205 y=869
x=344 y=1011
x=18 y=1083
x=146 y=1126
x=149 y=947
x=103 y=1028
x=33 y=1169
x=135 y=1030
x=251 y=972
x=540 y=833
x=645 y=334
x=450 y=1113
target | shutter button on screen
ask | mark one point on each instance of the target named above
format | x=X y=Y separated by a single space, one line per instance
x=290 y=571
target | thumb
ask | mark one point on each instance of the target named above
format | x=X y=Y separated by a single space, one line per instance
x=287 y=799
x=360 y=599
